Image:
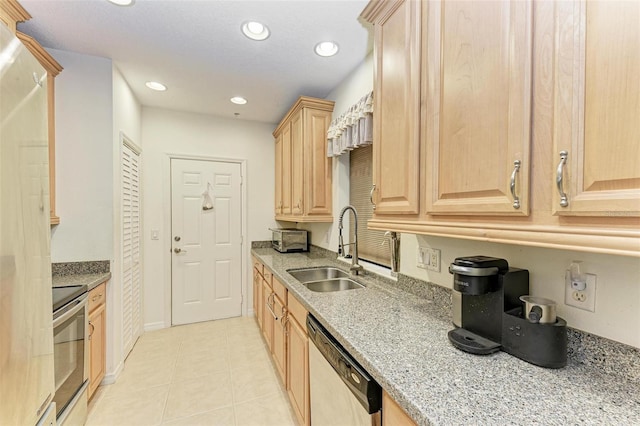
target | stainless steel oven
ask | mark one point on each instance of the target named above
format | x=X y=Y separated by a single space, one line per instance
x=70 y=351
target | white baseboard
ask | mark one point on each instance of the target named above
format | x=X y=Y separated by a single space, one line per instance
x=112 y=377
x=154 y=326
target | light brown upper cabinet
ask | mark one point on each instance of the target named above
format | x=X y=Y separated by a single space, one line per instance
x=477 y=117
x=11 y=13
x=303 y=170
x=396 y=116
x=505 y=87
x=597 y=108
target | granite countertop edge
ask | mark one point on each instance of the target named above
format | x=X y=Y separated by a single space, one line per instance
x=90 y=280
x=437 y=384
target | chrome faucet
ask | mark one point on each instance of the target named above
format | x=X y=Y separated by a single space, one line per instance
x=355 y=267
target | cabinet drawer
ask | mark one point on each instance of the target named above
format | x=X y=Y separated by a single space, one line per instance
x=298 y=311
x=97 y=296
x=279 y=289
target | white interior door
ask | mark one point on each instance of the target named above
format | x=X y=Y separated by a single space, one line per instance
x=206 y=249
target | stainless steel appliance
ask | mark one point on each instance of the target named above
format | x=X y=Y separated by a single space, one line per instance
x=490 y=315
x=341 y=391
x=70 y=318
x=26 y=335
x=289 y=240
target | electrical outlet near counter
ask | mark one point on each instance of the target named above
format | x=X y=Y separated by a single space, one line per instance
x=580 y=294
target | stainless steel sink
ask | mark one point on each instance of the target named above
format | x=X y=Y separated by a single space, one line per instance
x=317 y=274
x=336 y=284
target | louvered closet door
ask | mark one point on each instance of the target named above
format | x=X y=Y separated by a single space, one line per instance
x=131 y=291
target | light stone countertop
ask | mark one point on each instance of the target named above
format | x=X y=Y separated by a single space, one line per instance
x=90 y=280
x=401 y=340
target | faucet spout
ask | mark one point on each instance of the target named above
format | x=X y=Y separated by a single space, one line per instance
x=355 y=266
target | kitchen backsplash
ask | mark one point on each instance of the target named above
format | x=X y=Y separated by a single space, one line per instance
x=603 y=355
x=76 y=268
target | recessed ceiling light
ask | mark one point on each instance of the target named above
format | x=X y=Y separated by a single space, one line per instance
x=238 y=100
x=326 y=48
x=154 y=85
x=121 y=2
x=255 y=30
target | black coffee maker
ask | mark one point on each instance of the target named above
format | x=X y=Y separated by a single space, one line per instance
x=488 y=314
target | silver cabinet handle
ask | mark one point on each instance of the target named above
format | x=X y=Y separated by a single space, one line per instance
x=512 y=185
x=564 y=202
x=270 y=307
x=373 y=188
x=93 y=328
x=179 y=250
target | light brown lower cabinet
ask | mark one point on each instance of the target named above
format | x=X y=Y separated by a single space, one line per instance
x=279 y=348
x=298 y=360
x=267 y=319
x=393 y=414
x=257 y=296
x=97 y=334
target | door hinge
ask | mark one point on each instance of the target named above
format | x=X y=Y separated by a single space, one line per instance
x=241 y=179
x=241 y=239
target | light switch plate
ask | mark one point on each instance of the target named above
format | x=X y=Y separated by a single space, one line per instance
x=429 y=258
x=585 y=299
x=155 y=234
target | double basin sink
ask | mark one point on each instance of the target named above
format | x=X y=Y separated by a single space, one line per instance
x=325 y=279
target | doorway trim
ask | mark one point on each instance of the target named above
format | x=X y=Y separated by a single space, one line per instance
x=166 y=226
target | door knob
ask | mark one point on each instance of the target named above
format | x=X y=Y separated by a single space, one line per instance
x=179 y=250
x=177 y=238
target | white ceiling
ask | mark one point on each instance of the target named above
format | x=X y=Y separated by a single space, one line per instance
x=197 y=50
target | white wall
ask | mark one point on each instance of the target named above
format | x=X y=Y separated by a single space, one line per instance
x=170 y=132
x=127 y=117
x=84 y=186
x=617 y=314
x=347 y=93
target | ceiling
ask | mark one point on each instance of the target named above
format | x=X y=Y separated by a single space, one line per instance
x=197 y=50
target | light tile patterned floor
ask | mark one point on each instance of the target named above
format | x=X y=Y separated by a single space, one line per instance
x=210 y=373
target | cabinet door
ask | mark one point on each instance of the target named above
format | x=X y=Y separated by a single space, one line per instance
x=286 y=172
x=298 y=371
x=257 y=296
x=477 y=87
x=267 y=318
x=318 y=166
x=278 y=177
x=279 y=348
x=97 y=360
x=597 y=108
x=396 y=128
x=393 y=414
x=297 y=164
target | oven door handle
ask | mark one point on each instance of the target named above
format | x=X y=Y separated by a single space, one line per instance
x=71 y=310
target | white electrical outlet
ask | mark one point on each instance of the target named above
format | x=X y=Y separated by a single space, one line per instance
x=580 y=295
x=434 y=260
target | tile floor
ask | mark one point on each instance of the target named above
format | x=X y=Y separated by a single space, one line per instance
x=210 y=373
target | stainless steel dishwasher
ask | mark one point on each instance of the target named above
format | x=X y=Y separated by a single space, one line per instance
x=342 y=392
